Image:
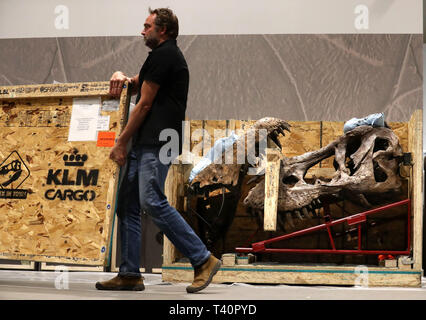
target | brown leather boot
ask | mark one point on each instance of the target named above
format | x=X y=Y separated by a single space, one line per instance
x=122 y=283
x=203 y=275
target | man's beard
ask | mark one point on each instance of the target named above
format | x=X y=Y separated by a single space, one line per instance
x=151 y=42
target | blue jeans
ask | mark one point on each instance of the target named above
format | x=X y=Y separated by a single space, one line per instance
x=143 y=188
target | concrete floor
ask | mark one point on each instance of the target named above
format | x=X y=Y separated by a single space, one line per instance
x=55 y=285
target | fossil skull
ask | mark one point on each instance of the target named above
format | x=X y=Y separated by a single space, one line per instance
x=366 y=160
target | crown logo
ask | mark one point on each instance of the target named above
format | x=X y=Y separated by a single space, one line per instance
x=75 y=159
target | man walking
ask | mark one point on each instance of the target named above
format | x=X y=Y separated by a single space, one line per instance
x=162 y=89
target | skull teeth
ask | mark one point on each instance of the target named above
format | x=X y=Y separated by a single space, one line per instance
x=311 y=209
x=307 y=213
x=298 y=215
x=289 y=219
x=275 y=139
x=285 y=219
x=316 y=204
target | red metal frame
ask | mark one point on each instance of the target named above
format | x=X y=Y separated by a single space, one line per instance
x=356 y=219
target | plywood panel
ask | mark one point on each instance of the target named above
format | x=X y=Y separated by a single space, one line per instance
x=401 y=130
x=60 y=207
x=197 y=135
x=303 y=137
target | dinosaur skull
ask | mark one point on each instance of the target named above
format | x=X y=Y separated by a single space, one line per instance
x=366 y=160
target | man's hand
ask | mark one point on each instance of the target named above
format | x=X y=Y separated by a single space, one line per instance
x=116 y=83
x=119 y=154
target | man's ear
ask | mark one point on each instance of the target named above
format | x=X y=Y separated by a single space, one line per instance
x=162 y=31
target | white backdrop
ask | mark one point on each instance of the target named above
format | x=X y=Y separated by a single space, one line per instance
x=81 y=18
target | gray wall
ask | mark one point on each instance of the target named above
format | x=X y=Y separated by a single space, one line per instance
x=294 y=77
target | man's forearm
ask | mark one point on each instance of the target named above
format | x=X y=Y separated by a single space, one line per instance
x=138 y=115
x=136 y=118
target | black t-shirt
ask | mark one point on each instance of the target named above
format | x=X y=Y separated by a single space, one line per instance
x=166 y=66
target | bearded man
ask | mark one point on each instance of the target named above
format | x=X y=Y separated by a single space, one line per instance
x=162 y=89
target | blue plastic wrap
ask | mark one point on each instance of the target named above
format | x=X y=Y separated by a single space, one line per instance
x=374 y=120
x=214 y=153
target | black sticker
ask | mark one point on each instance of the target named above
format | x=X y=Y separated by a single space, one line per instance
x=13 y=173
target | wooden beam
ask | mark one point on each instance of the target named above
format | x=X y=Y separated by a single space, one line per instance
x=175 y=193
x=186 y=156
x=55 y=90
x=301 y=274
x=415 y=146
x=171 y=190
x=272 y=174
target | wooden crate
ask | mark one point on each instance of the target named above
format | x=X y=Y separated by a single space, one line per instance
x=17 y=265
x=304 y=137
x=60 y=209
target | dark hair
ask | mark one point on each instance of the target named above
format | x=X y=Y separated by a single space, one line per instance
x=166 y=18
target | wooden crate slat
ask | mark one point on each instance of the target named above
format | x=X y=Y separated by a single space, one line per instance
x=415 y=146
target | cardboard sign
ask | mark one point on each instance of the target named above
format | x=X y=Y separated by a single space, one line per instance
x=106 y=139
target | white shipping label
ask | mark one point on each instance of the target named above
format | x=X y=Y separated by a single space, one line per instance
x=103 y=123
x=84 y=119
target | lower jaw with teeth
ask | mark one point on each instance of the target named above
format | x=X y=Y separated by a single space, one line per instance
x=289 y=220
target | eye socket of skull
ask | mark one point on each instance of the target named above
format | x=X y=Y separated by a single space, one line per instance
x=380 y=144
x=290 y=180
x=354 y=143
x=349 y=163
